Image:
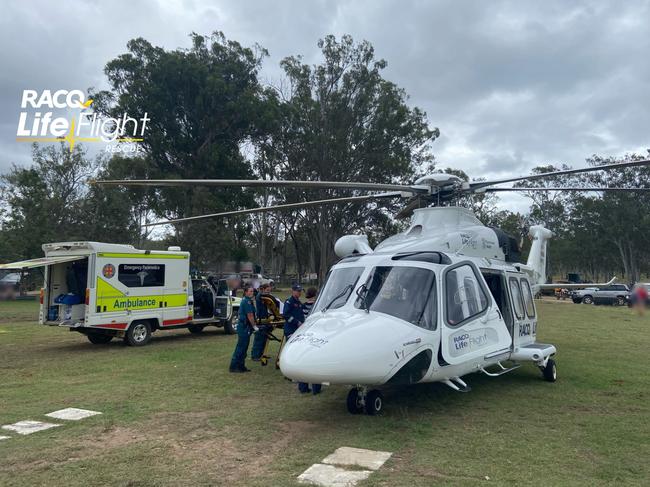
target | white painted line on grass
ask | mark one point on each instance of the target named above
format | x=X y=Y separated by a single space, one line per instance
x=4 y=437
x=29 y=427
x=329 y=476
x=357 y=456
x=72 y=414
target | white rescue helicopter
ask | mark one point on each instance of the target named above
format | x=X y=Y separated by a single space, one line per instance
x=443 y=299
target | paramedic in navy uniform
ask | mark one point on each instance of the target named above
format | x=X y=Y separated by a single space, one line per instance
x=260 y=339
x=245 y=328
x=294 y=317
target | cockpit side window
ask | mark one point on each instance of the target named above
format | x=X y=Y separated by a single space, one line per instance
x=465 y=297
x=405 y=292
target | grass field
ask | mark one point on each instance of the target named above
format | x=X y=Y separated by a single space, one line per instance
x=173 y=415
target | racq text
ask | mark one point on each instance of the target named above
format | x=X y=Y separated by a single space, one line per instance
x=44 y=124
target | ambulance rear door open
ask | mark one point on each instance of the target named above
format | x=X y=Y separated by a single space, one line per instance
x=63 y=299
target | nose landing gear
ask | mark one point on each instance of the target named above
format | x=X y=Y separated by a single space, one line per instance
x=360 y=400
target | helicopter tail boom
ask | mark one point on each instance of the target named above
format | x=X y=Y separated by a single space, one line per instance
x=537 y=256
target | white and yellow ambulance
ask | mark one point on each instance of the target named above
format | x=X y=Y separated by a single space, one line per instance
x=109 y=290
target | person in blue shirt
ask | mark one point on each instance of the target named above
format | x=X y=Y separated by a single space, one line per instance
x=245 y=327
x=294 y=317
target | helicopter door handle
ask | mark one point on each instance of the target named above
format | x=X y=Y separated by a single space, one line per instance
x=491 y=316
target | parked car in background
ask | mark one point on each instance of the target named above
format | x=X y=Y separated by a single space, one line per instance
x=9 y=286
x=614 y=294
x=578 y=295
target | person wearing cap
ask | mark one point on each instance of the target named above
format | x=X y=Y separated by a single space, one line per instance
x=292 y=311
x=294 y=318
x=247 y=323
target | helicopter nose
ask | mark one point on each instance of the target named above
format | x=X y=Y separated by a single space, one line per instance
x=341 y=350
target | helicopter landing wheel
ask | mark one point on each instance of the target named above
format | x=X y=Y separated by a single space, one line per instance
x=354 y=401
x=374 y=402
x=550 y=371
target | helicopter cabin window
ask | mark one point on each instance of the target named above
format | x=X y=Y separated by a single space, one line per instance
x=528 y=298
x=338 y=287
x=517 y=302
x=407 y=293
x=464 y=294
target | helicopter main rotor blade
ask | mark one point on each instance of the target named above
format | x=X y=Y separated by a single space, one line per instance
x=264 y=183
x=494 y=190
x=532 y=177
x=262 y=209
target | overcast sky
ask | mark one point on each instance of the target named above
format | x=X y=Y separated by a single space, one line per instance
x=510 y=85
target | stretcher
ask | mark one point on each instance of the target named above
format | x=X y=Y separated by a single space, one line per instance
x=274 y=321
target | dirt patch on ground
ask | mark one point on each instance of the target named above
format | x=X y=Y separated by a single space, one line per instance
x=114 y=437
x=222 y=454
x=232 y=459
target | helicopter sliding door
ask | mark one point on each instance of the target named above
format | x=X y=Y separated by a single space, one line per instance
x=473 y=326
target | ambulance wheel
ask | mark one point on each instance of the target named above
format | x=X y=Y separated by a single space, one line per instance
x=230 y=326
x=354 y=406
x=550 y=371
x=99 y=338
x=374 y=402
x=195 y=329
x=138 y=334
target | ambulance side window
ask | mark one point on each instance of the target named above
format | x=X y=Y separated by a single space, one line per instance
x=464 y=295
x=528 y=298
x=517 y=302
x=141 y=275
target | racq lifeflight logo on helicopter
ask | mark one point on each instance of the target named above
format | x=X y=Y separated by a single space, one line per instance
x=37 y=122
x=464 y=342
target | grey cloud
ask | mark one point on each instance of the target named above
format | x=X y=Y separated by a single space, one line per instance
x=511 y=85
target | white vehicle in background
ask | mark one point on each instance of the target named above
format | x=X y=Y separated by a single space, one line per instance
x=611 y=294
x=9 y=286
x=578 y=295
x=108 y=290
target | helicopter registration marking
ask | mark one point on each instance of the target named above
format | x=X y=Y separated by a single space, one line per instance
x=525 y=329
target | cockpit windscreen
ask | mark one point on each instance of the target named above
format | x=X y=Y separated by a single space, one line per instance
x=407 y=293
